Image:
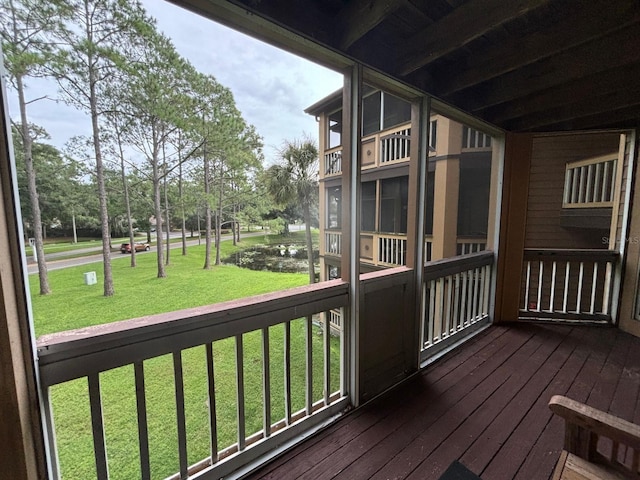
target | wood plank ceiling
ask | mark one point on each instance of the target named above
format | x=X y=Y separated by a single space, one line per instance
x=523 y=65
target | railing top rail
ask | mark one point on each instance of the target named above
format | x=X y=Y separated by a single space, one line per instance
x=381 y=279
x=395 y=135
x=592 y=161
x=401 y=236
x=333 y=149
x=76 y=353
x=461 y=263
x=569 y=254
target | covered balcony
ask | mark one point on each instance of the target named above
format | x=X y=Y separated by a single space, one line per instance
x=405 y=369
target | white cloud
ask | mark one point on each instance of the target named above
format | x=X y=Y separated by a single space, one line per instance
x=271 y=87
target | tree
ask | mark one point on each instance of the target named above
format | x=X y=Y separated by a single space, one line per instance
x=295 y=180
x=157 y=104
x=92 y=49
x=57 y=181
x=24 y=27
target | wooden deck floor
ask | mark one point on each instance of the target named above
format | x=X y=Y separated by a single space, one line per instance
x=484 y=404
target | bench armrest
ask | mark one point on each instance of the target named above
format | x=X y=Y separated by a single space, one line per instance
x=585 y=426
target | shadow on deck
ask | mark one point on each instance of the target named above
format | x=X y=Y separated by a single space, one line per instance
x=485 y=404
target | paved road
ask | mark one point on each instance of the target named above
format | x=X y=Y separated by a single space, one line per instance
x=53 y=264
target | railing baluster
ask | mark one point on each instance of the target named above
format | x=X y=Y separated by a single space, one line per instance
x=612 y=186
x=593 y=288
x=287 y=372
x=242 y=436
x=607 y=288
x=579 y=298
x=180 y=419
x=424 y=317
x=567 y=185
x=540 y=277
x=552 y=293
x=487 y=287
x=309 y=364
x=456 y=303
x=438 y=321
x=465 y=296
x=97 y=427
x=604 y=196
x=266 y=384
x=565 y=296
x=211 y=391
x=527 y=286
x=597 y=184
x=581 y=194
x=326 y=339
x=574 y=185
x=474 y=303
x=449 y=294
x=143 y=430
x=589 y=194
x=432 y=311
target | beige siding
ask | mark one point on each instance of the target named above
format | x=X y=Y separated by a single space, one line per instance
x=550 y=154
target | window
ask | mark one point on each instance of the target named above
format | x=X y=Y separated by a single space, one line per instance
x=371 y=114
x=368 y=219
x=334 y=130
x=382 y=110
x=395 y=111
x=334 y=207
x=393 y=204
x=433 y=131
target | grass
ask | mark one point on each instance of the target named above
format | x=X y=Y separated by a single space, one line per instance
x=139 y=292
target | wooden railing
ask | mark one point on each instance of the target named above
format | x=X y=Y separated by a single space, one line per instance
x=428 y=248
x=567 y=284
x=468 y=245
x=261 y=331
x=474 y=139
x=395 y=145
x=590 y=183
x=333 y=243
x=456 y=295
x=333 y=161
x=392 y=250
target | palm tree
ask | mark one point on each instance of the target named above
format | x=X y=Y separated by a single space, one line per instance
x=294 y=181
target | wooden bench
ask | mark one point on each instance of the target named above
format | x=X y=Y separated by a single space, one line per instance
x=597 y=445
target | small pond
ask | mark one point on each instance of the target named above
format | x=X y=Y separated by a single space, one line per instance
x=273 y=258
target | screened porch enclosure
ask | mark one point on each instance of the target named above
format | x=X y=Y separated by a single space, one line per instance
x=418 y=349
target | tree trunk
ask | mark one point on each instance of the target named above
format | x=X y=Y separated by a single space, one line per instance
x=219 y=218
x=207 y=214
x=166 y=210
x=102 y=191
x=307 y=228
x=184 y=225
x=36 y=218
x=157 y=207
x=127 y=202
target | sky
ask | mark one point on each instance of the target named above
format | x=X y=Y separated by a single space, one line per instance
x=271 y=87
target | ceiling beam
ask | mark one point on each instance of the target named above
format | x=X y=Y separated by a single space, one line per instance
x=589 y=20
x=621 y=118
x=463 y=25
x=619 y=79
x=587 y=59
x=359 y=17
x=585 y=107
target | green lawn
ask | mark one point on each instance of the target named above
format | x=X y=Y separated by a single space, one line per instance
x=139 y=292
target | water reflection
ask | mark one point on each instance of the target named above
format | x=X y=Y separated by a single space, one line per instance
x=273 y=258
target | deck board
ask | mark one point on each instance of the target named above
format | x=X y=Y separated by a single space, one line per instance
x=485 y=404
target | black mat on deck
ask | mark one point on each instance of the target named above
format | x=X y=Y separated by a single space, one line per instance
x=457 y=471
